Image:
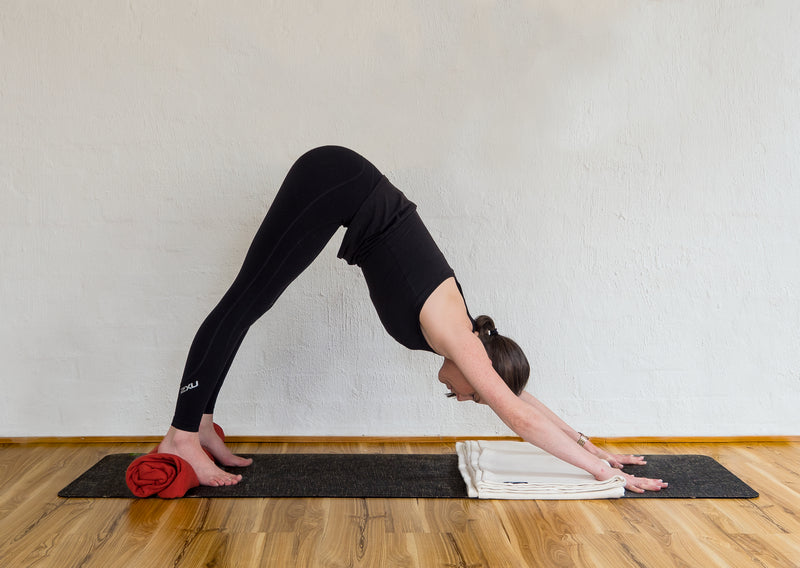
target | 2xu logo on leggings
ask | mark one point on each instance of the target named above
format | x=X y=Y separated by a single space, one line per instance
x=189 y=387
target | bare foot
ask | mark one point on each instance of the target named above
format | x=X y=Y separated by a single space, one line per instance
x=214 y=444
x=187 y=446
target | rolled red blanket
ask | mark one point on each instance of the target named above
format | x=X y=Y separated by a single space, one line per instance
x=165 y=475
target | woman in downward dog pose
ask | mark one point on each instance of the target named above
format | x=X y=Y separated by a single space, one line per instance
x=415 y=293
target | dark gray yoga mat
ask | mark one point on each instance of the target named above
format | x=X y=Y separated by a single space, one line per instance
x=398 y=476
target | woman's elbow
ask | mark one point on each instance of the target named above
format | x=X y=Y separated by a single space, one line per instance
x=524 y=422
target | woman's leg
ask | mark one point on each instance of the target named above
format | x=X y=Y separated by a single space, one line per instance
x=321 y=192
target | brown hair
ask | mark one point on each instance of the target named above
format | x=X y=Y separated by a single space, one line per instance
x=507 y=357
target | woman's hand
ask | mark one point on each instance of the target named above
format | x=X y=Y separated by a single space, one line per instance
x=632 y=483
x=616 y=460
x=619 y=460
x=642 y=484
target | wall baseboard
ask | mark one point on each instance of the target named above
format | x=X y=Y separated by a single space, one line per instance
x=395 y=439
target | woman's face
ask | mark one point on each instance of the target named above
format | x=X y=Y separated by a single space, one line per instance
x=451 y=377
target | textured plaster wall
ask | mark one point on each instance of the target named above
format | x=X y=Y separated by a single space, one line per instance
x=617 y=183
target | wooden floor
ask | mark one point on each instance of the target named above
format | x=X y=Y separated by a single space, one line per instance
x=37 y=528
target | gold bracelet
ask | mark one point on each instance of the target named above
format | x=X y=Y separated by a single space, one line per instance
x=582 y=439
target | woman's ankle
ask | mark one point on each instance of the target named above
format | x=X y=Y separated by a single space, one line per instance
x=176 y=435
x=207 y=422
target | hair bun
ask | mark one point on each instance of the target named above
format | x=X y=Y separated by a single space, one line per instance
x=484 y=325
x=507 y=358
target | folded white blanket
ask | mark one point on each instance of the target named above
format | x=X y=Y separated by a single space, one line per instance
x=518 y=470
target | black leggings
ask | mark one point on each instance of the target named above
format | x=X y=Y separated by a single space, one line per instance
x=321 y=192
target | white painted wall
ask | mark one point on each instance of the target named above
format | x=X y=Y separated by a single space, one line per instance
x=616 y=182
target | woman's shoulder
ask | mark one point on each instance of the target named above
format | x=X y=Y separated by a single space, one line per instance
x=444 y=318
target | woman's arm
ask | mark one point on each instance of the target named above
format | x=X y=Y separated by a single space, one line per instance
x=528 y=421
x=448 y=330
x=616 y=460
x=535 y=425
x=552 y=416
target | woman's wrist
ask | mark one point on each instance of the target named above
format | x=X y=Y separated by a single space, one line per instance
x=590 y=447
x=601 y=470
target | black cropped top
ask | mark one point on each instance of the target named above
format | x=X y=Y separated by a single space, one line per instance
x=400 y=260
